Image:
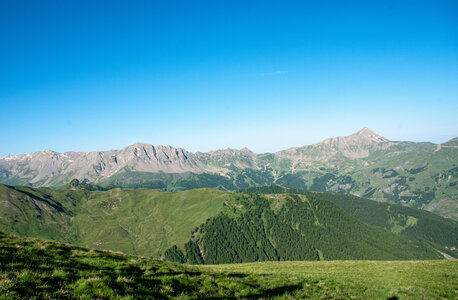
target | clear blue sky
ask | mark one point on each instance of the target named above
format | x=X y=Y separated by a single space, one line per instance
x=267 y=75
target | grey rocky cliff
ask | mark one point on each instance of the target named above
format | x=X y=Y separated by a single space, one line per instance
x=45 y=168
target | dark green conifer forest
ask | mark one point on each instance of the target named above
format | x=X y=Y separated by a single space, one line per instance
x=293 y=227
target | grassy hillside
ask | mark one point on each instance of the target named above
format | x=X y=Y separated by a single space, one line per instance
x=360 y=279
x=136 y=221
x=36 y=212
x=143 y=221
x=31 y=268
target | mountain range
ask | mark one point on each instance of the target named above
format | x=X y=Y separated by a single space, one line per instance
x=420 y=175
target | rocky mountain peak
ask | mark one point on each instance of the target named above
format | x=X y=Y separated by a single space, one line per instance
x=365 y=131
x=357 y=145
x=368 y=135
x=246 y=150
x=138 y=146
x=362 y=137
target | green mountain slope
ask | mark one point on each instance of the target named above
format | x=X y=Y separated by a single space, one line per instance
x=410 y=222
x=292 y=227
x=136 y=221
x=36 y=212
x=143 y=221
x=148 y=222
x=36 y=269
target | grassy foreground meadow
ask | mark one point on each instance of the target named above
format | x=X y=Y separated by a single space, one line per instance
x=360 y=279
x=32 y=268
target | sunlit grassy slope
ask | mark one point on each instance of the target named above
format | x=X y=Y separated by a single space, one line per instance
x=366 y=279
x=31 y=268
x=136 y=221
x=144 y=221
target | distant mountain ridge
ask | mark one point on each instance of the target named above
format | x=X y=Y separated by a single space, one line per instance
x=423 y=175
x=41 y=168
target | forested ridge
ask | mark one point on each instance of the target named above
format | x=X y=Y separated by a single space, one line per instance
x=292 y=227
x=410 y=222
